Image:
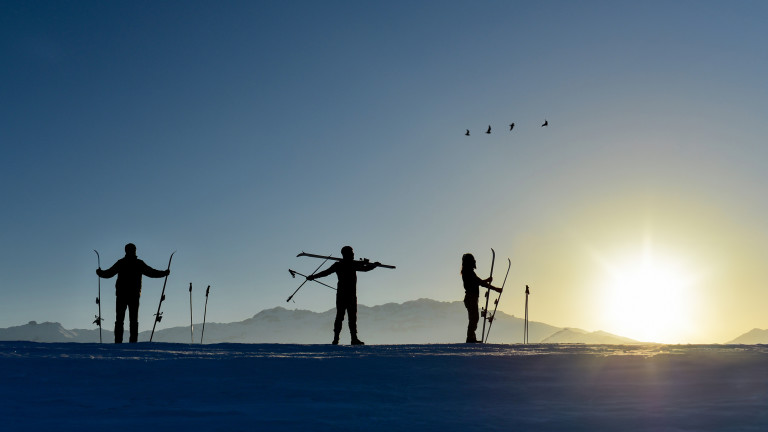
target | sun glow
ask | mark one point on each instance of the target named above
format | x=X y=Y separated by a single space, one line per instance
x=649 y=298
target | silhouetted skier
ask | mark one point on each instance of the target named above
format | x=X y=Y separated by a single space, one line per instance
x=511 y=126
x=346 y=293
x=546 y=123
x=467 y=134
x=129 y=271
x=472 y=284
x=489 y=129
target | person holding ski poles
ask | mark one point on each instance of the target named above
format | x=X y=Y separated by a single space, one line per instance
x=472 y=284
x=346 y=294
x=129 y=271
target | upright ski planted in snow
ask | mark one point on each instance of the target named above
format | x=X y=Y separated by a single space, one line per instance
x=484 y=313
x=159 y=315
x=98 y=319
x=496 y=302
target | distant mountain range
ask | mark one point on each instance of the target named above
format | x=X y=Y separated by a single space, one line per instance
x=414 y=322
x=752 y=337
x=570 y=335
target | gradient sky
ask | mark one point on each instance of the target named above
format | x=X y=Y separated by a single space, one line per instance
x=242 y=133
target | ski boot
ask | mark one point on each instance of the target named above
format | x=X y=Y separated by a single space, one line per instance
x=356 y=341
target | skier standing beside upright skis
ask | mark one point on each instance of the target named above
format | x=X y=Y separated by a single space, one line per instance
x=472 y=284
x=346 y=294
x=129 y=271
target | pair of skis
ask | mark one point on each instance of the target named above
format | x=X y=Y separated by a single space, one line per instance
x=496 y=304
x=325 y=259
x=158 y=315
x=484 y=312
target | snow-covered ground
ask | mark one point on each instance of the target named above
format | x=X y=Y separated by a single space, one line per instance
x=255 y=387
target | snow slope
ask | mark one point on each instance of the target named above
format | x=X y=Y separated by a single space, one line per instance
x=265 y=387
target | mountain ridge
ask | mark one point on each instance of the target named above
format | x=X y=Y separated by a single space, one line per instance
x=412 y=322
x=755 y=336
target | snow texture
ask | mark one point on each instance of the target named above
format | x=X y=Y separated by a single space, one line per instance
x=441 y=387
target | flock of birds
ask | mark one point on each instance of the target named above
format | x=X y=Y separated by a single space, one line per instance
x=511 y=126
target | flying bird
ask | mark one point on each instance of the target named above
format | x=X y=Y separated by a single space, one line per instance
x=467 y=134
x=511 y=126
x=546 y=123
x=489 y=129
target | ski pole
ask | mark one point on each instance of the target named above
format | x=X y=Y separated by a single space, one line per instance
x=98 y=319
x=205 y=312
x=525 y=329
x=294 y=273
x=305 y=281
x=487 y=296
x=159 y=315
x=496 y=303
x=191 y=325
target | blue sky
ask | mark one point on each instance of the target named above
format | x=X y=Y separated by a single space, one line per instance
x=241 y=133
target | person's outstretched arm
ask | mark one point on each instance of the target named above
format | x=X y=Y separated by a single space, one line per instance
x=153 y=273
x=106 y=274
x=329 y=271
x=367 y=266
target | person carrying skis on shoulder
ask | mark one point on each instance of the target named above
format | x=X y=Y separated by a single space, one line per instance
x=472 y=284
x=346 y=294
x=129 y=271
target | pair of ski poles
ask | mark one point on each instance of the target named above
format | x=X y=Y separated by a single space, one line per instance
x=205 y=313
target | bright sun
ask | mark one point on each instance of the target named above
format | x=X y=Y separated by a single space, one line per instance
x=648 y=298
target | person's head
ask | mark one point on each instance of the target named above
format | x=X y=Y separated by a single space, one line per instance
x=347 y=253
x=468 y=262
x=130 y=250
